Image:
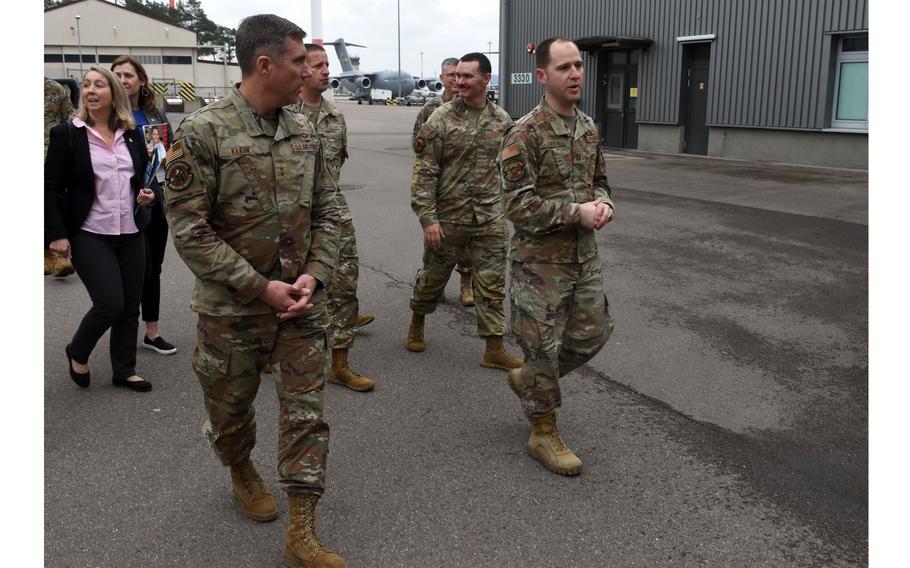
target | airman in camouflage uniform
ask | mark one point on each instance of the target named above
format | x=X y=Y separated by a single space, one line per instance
x=447 y=76
x=456 y=195
x=556 y=195
x=256 y=220
x=342 y=290
x=57 y=108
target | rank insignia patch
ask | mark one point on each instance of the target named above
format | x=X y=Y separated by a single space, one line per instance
x=178 y=176
x=420 y=145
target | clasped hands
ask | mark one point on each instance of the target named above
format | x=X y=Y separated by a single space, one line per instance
x=595 y=214
x=291 y=300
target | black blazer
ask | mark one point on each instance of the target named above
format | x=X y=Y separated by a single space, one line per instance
x=69 y=181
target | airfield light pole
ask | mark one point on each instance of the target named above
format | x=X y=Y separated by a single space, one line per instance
x=398 y=3
x=79 y=45
x=227 y=81
x=421 y=64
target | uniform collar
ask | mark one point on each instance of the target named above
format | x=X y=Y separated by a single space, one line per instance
x=329 y=108
x=287 y=124
x=460 y=107
x=325 y=109
x=557 y=123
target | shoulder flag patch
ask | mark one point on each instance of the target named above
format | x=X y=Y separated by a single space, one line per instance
x=175 y=152
x=510 y=151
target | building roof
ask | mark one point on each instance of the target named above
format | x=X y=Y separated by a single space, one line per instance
x=67 y=4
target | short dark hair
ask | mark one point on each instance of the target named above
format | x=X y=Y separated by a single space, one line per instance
x=542 y=53
x=311 y=47
x=481 y=60
x=448 y=61
x=264 y=34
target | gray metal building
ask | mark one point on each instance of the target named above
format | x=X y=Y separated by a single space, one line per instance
x=774 y=80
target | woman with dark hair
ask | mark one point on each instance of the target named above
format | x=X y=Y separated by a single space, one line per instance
x=135 y=82
x=96 y=205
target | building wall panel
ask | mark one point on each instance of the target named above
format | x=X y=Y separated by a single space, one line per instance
x=769 y=62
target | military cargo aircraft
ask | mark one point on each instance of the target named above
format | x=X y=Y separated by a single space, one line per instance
x=364 y=85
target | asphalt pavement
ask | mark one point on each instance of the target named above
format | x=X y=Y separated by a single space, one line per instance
x=724 y=424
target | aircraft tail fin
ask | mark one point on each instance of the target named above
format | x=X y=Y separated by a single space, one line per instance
x=341 y=50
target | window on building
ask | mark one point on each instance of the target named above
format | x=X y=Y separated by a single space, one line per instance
x=149 y=59
x=850 y=108
x=107 y=58
x=177 y=59
x=53 y=58
x=74 y=57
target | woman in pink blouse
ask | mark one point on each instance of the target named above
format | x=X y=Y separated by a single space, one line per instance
x=96 y=204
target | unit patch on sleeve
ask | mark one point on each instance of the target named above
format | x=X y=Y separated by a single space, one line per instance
x=513 y=170
x=178 y=176
x=420 y=145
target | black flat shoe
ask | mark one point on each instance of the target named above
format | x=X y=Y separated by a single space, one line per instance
x=81 y=379
x=138 y=386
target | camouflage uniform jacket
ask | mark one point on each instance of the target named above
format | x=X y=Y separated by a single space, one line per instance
x=455 y=177
x=547 y=172
x=57 y=108
x=428 y=108
x=245 y=207
x=333 y=135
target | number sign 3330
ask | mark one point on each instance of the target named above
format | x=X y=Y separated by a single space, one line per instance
x=521 y=78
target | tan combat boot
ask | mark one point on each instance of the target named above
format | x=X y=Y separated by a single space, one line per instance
x=414 y=342
x=57 y=264
x=467 y=292
x=302 y=548
x=496 y=356
x=255 y=500
x=363 y=320
x=546 y=446
x=515 y=382
x=343 y=375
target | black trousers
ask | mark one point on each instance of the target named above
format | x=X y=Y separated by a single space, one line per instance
x=155 y=243
x=112 y=269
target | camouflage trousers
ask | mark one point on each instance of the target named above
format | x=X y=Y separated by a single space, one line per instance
x=342 y=290
x=561 y=319
x=486 y=245
x=230 y=354
x=464 y=262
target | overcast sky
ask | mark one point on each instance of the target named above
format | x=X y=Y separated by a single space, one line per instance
x=438 y=28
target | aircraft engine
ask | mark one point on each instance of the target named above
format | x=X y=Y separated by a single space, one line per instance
x=421 y=84
x=434 y=85
x=364 y=82
x=334 y=83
